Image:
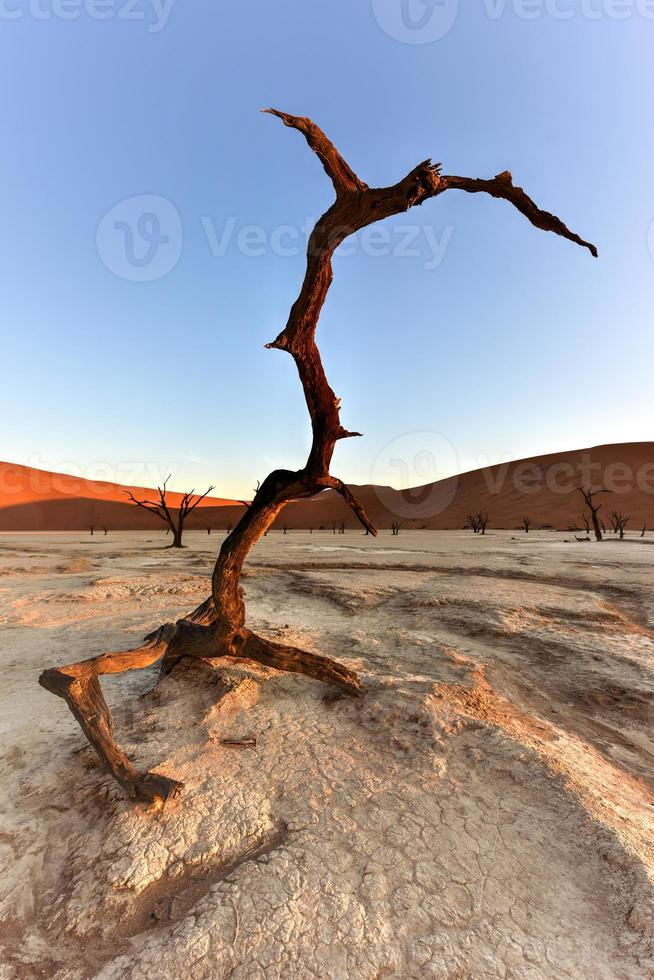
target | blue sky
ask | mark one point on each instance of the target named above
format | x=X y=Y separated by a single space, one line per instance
x=153 y=223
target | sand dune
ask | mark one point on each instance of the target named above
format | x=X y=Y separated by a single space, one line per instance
x=38 y=500
x=541 y=487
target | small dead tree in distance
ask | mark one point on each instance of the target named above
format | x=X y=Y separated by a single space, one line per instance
x=586 y=523
x=526 y=523
x=477 y=522
x=588 y=493
x=175 y=517
x=619 y=522
x=217 y=627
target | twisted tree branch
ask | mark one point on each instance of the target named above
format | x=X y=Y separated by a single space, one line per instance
x=217 y=627
x=335 y=484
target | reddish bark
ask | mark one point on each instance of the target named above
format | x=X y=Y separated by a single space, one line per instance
x=217 y=627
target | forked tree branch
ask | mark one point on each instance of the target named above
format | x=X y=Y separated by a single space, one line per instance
x=187 y=506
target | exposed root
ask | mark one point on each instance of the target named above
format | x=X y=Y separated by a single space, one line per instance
x=79 y=685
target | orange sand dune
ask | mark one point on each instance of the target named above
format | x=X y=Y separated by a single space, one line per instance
x=37 y=500
x=542 y=488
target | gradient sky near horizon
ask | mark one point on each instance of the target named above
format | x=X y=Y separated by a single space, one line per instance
x=154 y=225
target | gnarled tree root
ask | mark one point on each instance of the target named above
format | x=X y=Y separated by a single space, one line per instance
x=79 y=685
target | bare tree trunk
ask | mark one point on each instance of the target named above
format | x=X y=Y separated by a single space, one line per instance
x=217 y=627
x=619 y=523
x=594 y=509
x=165 y=513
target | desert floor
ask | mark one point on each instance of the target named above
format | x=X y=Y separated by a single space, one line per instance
x=485 y=810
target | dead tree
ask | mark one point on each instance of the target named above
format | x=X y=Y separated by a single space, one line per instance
x=92 y=528
x=217 y=628
x=175 y=517
x=395 y=528
x=208 y=528
x=642 y=533
x=588 y=493
x=105 y=529
x=619 y=522
x=586 y=523
x=526 y=523
x=477 y=522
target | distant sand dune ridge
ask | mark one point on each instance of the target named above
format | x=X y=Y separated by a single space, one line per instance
x=541 y=487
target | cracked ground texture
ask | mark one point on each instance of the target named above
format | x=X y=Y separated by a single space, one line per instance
x=485 y=810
